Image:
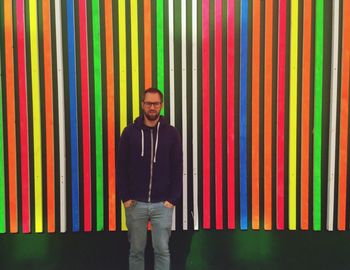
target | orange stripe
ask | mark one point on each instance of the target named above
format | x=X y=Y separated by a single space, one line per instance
x=305 y=111
x=50 y=160
x=11 y=116
x=255 y=113
x=268 y=116
x=344 y=116
x=148 y=43
x=343 y=142
x=110 y=116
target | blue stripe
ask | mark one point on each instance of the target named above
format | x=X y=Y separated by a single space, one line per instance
x=243 y=114
x=73 y=114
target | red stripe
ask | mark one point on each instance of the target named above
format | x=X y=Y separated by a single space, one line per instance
x=255 y=115
x=23 y=112
x=84 y=62
x=206 y=113
x=230 y=114
x=147 y=42
x=218 y=112
x=268 y=116
x=280 y=112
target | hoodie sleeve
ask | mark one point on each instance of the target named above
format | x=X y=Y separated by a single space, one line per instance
x=176 y=170
x=122 y=167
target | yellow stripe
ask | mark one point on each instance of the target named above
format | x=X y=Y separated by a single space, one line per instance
x=122 y=79
x=36 y=115
x=134 y=59
x=293 y=114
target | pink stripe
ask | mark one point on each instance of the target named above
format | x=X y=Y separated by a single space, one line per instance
x=218 y=112
x=84 y=62
x=22 y=86
x=280 y=112
x=230 y=114
x=206 y=113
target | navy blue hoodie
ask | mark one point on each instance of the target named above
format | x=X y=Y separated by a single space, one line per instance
x=149 y=163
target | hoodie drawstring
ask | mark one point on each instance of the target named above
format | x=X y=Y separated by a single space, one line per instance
x=142 y=143
x=155 y=152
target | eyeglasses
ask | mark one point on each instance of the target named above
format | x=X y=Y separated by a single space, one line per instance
x=155 y=104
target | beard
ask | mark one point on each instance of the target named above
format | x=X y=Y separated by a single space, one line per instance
x=151 y=117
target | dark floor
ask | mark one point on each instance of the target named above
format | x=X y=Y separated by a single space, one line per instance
x=202 y=250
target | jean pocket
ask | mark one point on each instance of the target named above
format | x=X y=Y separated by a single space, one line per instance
x=132 y=206
x=163 y=203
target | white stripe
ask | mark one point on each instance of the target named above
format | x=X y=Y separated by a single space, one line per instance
x=194 y=114
x=61 y=116
x=171 y=62
x=184 y=113
x=172 y=78
x=333 y=116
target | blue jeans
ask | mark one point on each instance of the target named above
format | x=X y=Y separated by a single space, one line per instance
x=137 y=217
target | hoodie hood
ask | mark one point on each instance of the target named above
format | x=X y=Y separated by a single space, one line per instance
x=139 y=123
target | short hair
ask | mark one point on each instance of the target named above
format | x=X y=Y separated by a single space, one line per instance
x=153 y=91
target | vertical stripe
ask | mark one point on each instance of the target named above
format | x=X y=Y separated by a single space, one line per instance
x=73 y=115
x=23 y=114
x=218 y=113
x=255 y=113
x=293 y=109
x=11 y=116
x=49 y=118
x=98 y=113
x=147 y=43
x=268 y=116
x=344 y=116
x=206 y=111
x=171 y=62
x=243 y=114
x=305 y=120
x=61 y=116
x=195 y=114
x=2 y=162
x=135 y=59
x=343 y=140
x=172 y=77
x=33 y=21
x=110 y=116
x=160 y=46
x=230 y=114
x=122 y=78
x=85 y=112
x=280 y=112
x=184 y=113
x=333 y=115
x=317 y=147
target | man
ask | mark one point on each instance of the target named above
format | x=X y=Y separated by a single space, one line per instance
x=149 y=177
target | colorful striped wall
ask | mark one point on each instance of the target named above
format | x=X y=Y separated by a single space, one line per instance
x=259 y=91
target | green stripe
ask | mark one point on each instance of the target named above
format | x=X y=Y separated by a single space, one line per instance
x=160 y=47
x=98 y=112
x=2 y=175
x=318 y=114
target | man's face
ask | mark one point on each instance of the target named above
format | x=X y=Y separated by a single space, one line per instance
x=151 y=106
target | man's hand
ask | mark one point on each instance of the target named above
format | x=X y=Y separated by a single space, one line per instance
x=168 y=204
x=129 y=203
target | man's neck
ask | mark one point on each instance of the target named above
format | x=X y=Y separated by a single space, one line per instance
x=150 y=123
